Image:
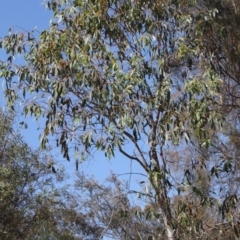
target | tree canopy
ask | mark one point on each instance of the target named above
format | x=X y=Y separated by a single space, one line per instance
x=149 y=79
x=31 y=205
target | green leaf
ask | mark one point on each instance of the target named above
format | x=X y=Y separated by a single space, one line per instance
x=53 y=170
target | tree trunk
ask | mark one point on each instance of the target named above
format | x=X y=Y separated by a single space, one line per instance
x=168 y=220
x=164 y=205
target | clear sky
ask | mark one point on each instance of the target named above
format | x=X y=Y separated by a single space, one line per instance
x=28 y=14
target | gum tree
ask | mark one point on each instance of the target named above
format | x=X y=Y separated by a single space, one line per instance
x=124 y=76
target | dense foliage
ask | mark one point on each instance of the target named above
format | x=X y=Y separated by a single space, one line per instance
x=31 y=206
x=156 y=81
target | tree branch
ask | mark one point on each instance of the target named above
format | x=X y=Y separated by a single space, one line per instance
x=145 y=167
x=143 y=161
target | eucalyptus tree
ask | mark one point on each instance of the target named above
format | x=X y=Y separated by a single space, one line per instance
x=125 y=76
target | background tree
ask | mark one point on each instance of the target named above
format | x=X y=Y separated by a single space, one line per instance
x=220 y=41
x=109 y=206
x=31 y=207
x=137 y=77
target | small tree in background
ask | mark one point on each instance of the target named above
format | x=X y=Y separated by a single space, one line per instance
x=31 y=207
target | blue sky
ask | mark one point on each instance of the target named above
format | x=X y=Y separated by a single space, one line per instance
x=28 y=14
x=23 y=13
